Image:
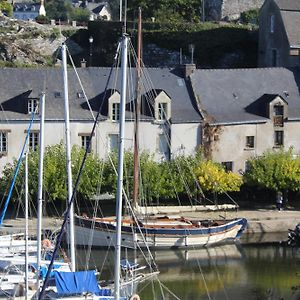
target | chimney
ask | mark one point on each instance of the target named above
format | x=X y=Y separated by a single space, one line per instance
x=188 y=69
x=83 y=63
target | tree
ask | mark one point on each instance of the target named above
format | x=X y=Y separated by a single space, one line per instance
x=55 y=177
x=162 y=10
x=213 y=178
x=274 y=170
x=79 y=14
x=6 y=8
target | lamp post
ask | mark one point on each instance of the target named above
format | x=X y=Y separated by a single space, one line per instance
x=191 y=49
x=91 y=40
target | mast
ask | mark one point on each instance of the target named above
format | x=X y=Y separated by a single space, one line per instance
x=26 y=226
x=137 y=115
x=120 y=166
x=40 y=186
x=68 y=157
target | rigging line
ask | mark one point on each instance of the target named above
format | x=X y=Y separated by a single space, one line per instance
x=139 y=228
x=203 y=278
x=17 y=167
x=69 y=205
x=221 y=281
x=81 y=86
x=168 y=290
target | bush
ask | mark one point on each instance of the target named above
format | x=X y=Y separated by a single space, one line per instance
x=250 y=16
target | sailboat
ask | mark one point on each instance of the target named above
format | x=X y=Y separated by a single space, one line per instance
x=83 y=284
x=153 y=231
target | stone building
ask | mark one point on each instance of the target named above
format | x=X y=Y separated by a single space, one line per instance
x=279 y=34
x=229 y=9
x=246 y=112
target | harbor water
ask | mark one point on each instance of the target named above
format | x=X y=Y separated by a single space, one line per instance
x=249 y=271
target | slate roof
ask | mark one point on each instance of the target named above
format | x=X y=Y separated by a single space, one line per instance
x=290 y=13
x=289 y=5
x=26 y=7
x=226 y=95
x=19 y=84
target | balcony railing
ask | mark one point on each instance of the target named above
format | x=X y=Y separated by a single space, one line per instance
x=278 y=121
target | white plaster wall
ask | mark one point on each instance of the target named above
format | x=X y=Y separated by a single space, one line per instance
x=55 y=133
x=232 y=141
x=185 y=138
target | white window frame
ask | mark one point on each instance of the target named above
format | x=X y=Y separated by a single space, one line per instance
x=84 y=141
x=34 y=140
x=115 y=111
x=112 y=136
x=32 y=104
x=3 y=142
x=162 y=107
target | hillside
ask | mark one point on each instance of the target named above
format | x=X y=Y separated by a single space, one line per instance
x=25 y=43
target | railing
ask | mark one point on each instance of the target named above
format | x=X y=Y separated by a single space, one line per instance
x=278 y=121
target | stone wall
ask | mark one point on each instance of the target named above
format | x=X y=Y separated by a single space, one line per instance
x=229 y=9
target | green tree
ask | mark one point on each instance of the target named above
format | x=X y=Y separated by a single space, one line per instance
x=166 y=10
x=213 y=178
x=274 y=170
x=55 y=177
x=6 y=8
x=79 y=14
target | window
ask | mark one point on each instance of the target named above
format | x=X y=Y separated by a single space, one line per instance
x=33 y=106
x=33 y=141
x=278 y=110
x=113 y=140
x=163 y=145
x=115 y=111
x=274 y=57
x=3 y=142
x=278 y=138
x=228 y=166
x=272 y=23
x=57 y=94
x=84 y=142
x=162 y=111
x=250 y=141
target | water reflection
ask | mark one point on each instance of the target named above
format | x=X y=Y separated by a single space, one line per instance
x=268 y=272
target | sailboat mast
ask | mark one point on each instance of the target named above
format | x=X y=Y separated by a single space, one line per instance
x=26 y=226
x=68 y=158
x=137 y=115
x=120 y=165
x=40 y=186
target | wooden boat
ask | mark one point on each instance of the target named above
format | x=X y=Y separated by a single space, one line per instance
x=158 y=232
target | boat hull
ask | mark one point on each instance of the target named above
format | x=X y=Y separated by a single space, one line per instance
x=102 y=234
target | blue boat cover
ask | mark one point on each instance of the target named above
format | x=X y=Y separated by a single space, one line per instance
x=128 y=265
x=78 y=283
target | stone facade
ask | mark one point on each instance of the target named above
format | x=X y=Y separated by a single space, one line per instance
x=229 y=9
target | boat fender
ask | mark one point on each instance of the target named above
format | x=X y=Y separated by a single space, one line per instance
x=46 y=244
x=135 y=297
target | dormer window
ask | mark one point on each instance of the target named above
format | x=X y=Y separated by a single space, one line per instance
x=162 y=111
x=115 y=111
x=162 y=107
x=278 y=110
x=33 y=105
x=114 y=107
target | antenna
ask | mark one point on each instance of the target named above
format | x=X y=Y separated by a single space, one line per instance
x=125 y=15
